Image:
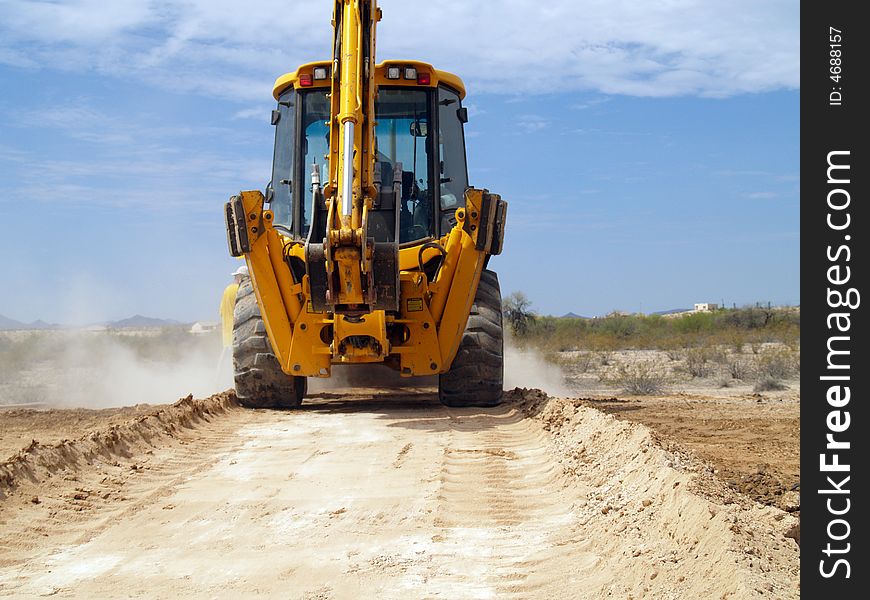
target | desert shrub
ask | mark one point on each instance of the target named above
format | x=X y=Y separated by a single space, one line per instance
x=581 y=362
x=737 y=368
x=672 y=348
x=605 y=357
x=768 y=384
x=695 y=323
x=776 y=363
x=674 y=354
x=746 y=318
x=742 y=329
x=575 y=362
x=640 y=379
x=724 y=382
x=620 y=326
x=698 y=362
x=736 y=339
x=718 y=355
x=518 y=311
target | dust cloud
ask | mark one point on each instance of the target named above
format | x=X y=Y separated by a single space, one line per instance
x=102 y=369
x=107 y=369
x=522 y=368
x=528 y=369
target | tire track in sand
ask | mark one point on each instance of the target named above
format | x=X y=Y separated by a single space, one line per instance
x=502 y=517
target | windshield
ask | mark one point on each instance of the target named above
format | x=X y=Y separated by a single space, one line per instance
x=403 y=134
x=409 y=158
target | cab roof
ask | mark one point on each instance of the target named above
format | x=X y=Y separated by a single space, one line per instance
x=436 y=76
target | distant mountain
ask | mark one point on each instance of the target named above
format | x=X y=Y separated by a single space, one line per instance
x=673 y=311
x=571 y=315
x=7 y=324
x=141 y=321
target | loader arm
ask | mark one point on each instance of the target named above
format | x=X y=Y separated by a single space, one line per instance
x=348 y=251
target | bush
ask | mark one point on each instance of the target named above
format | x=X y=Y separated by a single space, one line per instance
x=674 y=354
x=640 y=379
x=724 y=382
x=605 y=357
x=737 y=368
x=695 y=322
x=719 y=356
x=776 y=363
x=518 y=312
x=741 y=329
x=581 y=362
x=768 y=384
x=697 y=362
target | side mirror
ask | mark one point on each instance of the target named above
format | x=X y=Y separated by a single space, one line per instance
x=276 y=116
x=419 y=128
x=462 y=113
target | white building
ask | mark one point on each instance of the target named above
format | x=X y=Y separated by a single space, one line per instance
x=706 y=307
x=201 y=327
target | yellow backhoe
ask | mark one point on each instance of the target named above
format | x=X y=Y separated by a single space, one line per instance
x=368 y=245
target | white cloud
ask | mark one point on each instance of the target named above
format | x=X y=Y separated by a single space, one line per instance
x=132 y=162
x=257 y=113
x=590 y=103
x=678 y=47
x=761 y=195
x=532 y=123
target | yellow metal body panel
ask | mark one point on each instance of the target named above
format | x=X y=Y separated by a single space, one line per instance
x=373 y=326
x=265 y=281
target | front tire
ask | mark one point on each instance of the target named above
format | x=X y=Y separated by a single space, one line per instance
x=259 y=380
x=476 y=376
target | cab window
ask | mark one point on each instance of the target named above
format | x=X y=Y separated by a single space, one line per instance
x=452 y=169
x=403 y=135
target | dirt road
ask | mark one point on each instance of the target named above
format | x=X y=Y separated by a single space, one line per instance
x=382 y=495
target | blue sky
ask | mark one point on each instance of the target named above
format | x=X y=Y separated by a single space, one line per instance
x=649 y=153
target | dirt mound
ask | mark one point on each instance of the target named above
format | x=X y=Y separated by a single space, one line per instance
x=50 y=425
x=650 y=501
x=39 y=461
x=752 y=441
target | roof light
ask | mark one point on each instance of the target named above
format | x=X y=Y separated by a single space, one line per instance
x=410 y=73
x=393 y=72
x=305 y=80
x=321 y=73
x=424 y=78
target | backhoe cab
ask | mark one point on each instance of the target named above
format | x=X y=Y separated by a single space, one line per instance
x=368 y=245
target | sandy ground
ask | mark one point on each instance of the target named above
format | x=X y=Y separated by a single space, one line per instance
x=18 y=426
x=381 y=494
x=752 y=440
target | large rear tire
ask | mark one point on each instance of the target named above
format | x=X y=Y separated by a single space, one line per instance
x=476 y=376
x=260 y=382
